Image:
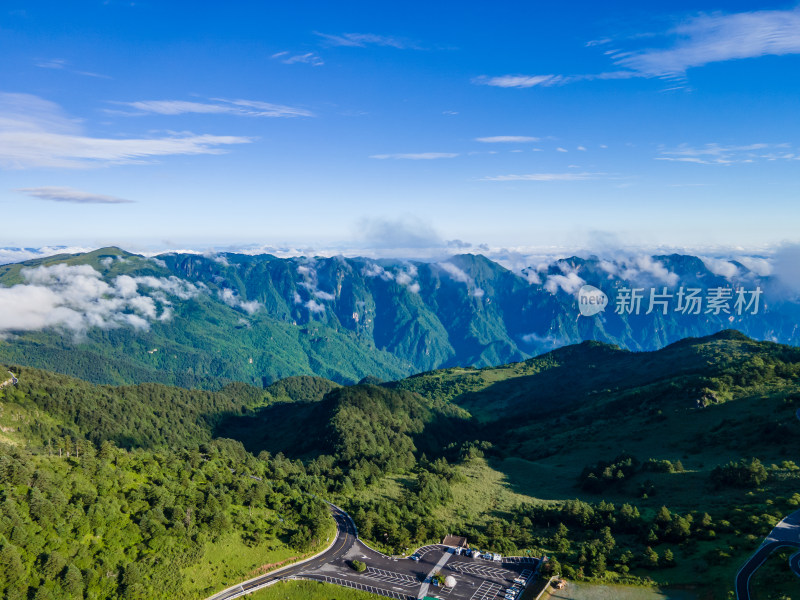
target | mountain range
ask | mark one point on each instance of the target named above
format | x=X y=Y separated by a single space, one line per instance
x=110 y=316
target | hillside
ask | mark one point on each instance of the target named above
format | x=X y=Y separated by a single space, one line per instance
x=202 y=321
x=685 y=453
x=665 y=466
x=691 y=373
x=109 y=493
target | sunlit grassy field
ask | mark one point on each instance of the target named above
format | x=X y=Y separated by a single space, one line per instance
x=229 y=561
x=310 y=590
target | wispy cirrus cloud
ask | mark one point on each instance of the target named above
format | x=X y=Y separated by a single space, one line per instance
x=309 y=58
x=362 y=40
x=529 y=81
x=36 y=133
x=694 y=42
x=71 y=195
x=500 y=139
x=416 y=156
x=60 y=64
x=719 y=154
x=545 y=177
x=242 y=108
x=717 y=37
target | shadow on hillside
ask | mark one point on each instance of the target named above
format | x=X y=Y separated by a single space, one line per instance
x=297 y=429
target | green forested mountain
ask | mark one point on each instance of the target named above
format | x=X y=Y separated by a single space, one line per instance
x=667 y=466
x=201 y=321
x=122 y=493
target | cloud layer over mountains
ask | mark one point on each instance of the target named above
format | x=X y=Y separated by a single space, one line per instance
x=76 y=298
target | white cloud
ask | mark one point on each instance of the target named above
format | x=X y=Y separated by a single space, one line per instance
x=375 y=270
x=14 y=255
x=717 y=37
x=67 y=194
x=314 y=306
x=76 y=298
x=519 y=81
x=456 y=273
x=232 y=299
x=217 y=258
x=506 y=139
x=243 y=108
x=461 y=276
x=759 y=266
x=717 y=154
x=695 y=42
x=52 y=63
x=61 y=64
x=309 y=275
x=635 y=267
x=545 y=177
x=531 y=276
x=405 y=276
x=559 y=149
x=36 y=133
x=720 y=267
x=529 y=81
x=309 y=58
x=570 y=283
x=548 y=341
x=362 y=40
x=417 y=156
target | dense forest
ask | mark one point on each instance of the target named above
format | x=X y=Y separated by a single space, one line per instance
x=103 y=486
x=81 y=521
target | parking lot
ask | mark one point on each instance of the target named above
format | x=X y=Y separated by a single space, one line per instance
x=406 y=579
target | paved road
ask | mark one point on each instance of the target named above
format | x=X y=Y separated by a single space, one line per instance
x=786 y=534
x=794 y=563
x=345 y=536
x=12 y=381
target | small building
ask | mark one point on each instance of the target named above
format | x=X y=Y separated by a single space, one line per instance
x=455 y=541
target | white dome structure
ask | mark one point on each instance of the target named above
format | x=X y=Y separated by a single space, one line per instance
x=450 y=581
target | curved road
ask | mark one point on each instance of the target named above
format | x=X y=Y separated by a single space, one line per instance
x=786 y=534
x=345 y=536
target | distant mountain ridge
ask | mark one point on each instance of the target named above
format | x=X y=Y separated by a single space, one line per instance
x=201 y=320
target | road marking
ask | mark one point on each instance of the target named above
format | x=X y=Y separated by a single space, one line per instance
x=482 y=570
x=391 y=577
x=486 y=591
x=425 y=549
x=366 y=588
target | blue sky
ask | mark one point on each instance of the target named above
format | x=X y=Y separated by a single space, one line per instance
x=362 y=125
